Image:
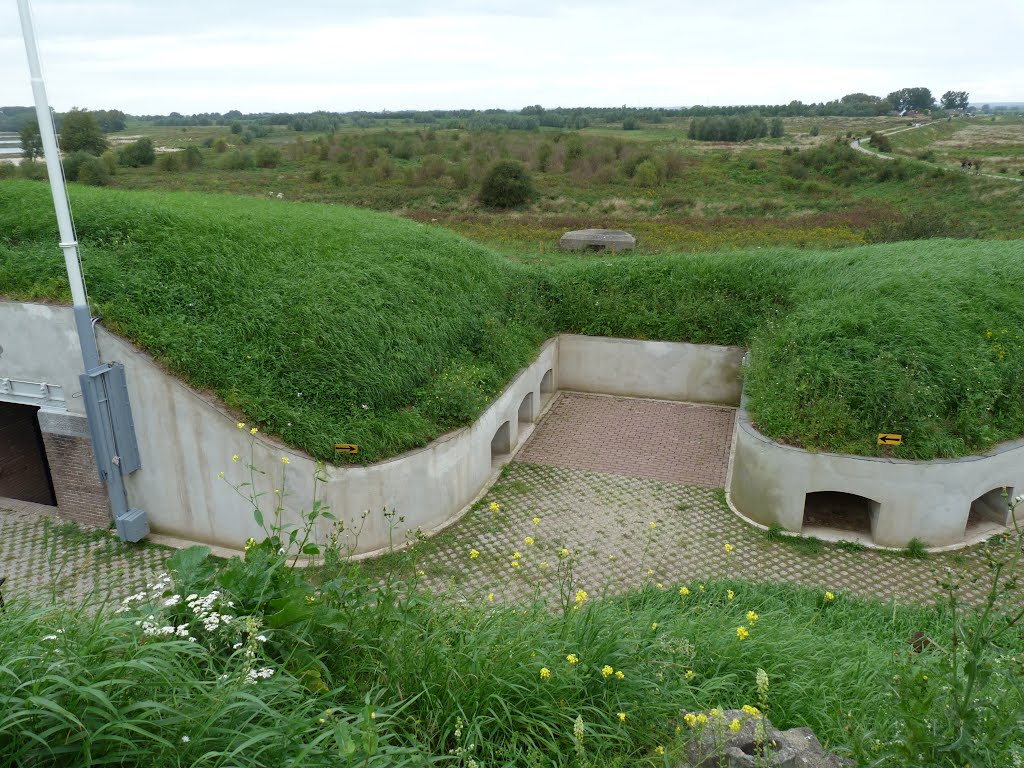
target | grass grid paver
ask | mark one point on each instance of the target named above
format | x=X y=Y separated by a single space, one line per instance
x=605 y=520
x=47 y=559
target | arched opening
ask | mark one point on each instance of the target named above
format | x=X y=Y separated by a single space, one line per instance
x=842 y=512
x=24 y=470
x=989 y=511
x=547 y=386
x=501 y=443
x=526 y=409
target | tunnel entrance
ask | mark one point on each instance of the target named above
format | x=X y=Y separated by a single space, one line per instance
x=24 y=470
x=839 y=511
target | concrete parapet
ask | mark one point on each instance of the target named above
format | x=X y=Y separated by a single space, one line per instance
x=938 y=502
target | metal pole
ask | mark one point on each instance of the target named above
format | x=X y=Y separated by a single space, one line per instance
x=104 y=444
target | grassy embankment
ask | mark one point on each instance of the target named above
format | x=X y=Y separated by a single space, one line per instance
x=327 y=325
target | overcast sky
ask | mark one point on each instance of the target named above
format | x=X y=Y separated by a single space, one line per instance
x=148 y=57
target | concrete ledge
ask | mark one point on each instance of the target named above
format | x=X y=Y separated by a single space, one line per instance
x=928 y=500
x=69 y=425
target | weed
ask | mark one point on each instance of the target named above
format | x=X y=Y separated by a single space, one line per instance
x=850 y=546
x=915 y=549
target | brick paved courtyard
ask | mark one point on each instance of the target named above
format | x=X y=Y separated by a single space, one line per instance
x=659 y=440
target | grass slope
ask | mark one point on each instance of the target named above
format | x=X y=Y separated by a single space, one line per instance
x=326 y=324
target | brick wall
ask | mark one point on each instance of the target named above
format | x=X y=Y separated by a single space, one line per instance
x=22 y=463
x=80 y=494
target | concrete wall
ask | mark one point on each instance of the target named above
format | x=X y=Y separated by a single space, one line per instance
x=185 y=440
x=697 y=373
x=40 y=343
x=928 y=500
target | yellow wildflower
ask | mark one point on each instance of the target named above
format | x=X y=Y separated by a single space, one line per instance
x=683 y=591
x=702 y=719
x=659 y=750
x=528 y=541
x=250 y=543
x=611 y=557
x=235 y=457
x=544 y=564
x=285 y=460
x=619 y=675
x=572 y=658
x=654 y=625
x=735 y=726
x=581 y=597
x=253 y=431
x=690 y=674
x=650 y=572
x=494 y=507
x=241 y=425
x=516 y=555
x=490 y=597
x=220 y=475
x=545 y=673
x=731 y=594
x=715 y=712
x=473 y=554
x=607 y=671
x=742 y=633
x=752 y=711
x=728 y=548
x=701 y=587
x=653 y=525
x=622 y=717
x=659 y=585
x=563 y=553
x=752 y=617
x=829 y=597
x=515 y=564
x=690 y=719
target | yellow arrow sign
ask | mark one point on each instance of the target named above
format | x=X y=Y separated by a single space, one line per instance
x=346 y=448
x=885 y=439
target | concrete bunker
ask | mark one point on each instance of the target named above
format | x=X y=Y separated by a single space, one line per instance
x=839 y=511
x=501 y=443
x=989 y=512
x=526 y=412
x=24 y=468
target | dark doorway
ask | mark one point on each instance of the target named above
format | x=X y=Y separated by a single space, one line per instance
x=839 y=511
x=989 y=510
x=24 y=471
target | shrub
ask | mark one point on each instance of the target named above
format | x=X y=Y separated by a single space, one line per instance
x=139 y=152
x=220 y=145
x=646 y=174
x=630 y=124
x=169 y=161
x=268 y=156
x=778 y=130
x=109 y=159
x=73 y=163
x=880 y=142
x=93 y=172
x=237 y=161
x=815 y=130
x=506 y=185
x=191 y=158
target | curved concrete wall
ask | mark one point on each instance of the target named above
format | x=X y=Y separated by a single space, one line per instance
x=186 y=440
x=927 y=500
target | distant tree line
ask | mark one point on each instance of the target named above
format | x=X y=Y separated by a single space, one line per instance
x=734 y=128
